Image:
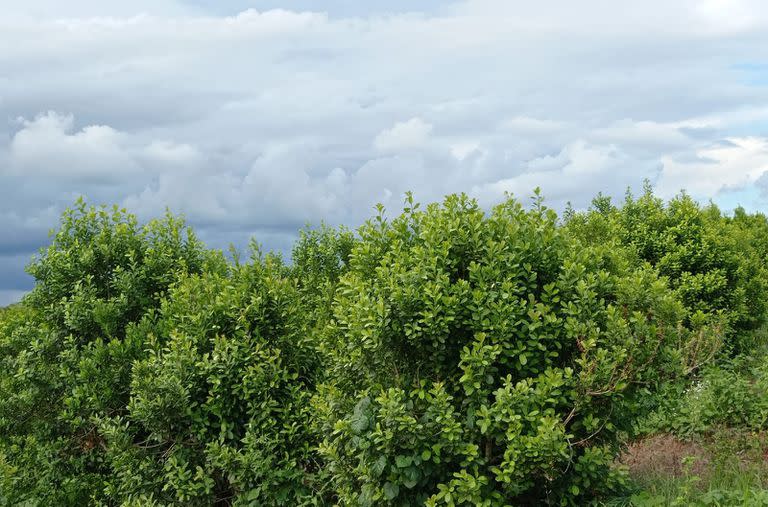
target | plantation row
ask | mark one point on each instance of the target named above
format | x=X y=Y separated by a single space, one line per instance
x=448 y=356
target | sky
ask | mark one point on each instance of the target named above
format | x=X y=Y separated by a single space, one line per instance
x=254 y=118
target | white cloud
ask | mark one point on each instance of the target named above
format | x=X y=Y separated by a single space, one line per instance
x=410 y=134
x=48 y=146
x=260 y=121
x=463 y=149
x=731 y=164
x=575 y=171
x=731 y=16
x=646 y=135
x=173 y=153
x=523 y=125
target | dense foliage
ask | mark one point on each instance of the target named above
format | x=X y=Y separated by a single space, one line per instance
x=715 y=264
x=448 y=356
x=68 y=356
x=486 y=359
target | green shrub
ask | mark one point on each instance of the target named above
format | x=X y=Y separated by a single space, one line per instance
x=103 y=271
x=319 y=258
x=145 y=369
x=731 y=394
x=714 y=263
x=447 y=357
x=67 y=353
x=219 y=407
x=486 y=359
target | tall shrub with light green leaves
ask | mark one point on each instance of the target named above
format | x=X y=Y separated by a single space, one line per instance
x=714 y=263
x=219 y=410
x=68 y=351
x=486 y=359
x=144 y=369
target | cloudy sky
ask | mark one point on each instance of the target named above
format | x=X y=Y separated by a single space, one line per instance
x=254 y=117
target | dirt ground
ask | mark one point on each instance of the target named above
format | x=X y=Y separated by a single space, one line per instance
x=664 y=455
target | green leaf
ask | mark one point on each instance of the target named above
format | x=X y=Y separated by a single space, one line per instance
x=379 y=465
x=403 y=461
x=391 y=490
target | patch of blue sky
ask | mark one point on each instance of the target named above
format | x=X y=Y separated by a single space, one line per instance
x=749 y=129
x=753 y=73
x=750 y=197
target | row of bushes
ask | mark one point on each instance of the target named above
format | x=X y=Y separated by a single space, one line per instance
x=448 y=356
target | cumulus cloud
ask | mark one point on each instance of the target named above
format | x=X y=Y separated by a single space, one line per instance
x=411 y=134
x=733 y=163
x=48 y=146
x=576 y=171
x=254 y=121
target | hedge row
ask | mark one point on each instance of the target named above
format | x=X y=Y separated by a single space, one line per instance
x=448 y=356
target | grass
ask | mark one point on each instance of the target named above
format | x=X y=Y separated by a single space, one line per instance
x=708 y=445
x=728 y=467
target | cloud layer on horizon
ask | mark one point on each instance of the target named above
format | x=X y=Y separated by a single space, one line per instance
x=255 y=122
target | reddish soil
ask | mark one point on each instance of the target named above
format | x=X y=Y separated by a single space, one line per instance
x=664 y=455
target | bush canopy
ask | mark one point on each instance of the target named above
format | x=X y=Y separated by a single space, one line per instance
x=446 y=356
